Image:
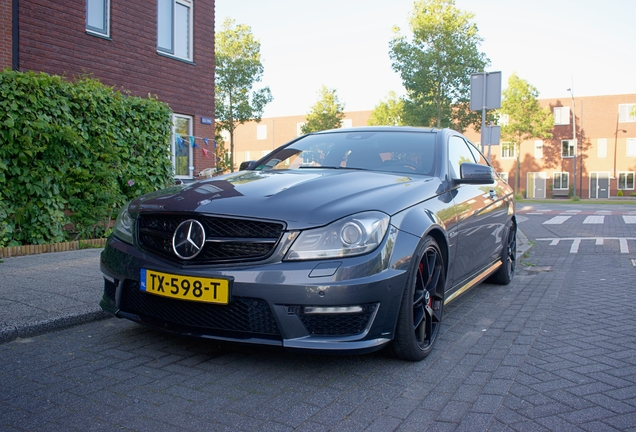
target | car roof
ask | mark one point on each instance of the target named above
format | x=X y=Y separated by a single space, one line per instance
x=384 y=129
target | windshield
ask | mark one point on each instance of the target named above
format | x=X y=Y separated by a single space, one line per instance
x=391 y=151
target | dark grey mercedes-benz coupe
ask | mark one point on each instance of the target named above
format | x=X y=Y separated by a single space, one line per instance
x=347 y=240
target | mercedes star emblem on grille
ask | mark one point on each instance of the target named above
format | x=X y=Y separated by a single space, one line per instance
x=188 y=239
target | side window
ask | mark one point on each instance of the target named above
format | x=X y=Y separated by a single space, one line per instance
x=479 y=157
x=181 y=147
x=458 y=153
x=174 y=28
x=98 y=17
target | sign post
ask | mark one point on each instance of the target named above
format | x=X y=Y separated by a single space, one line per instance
x=485 y=93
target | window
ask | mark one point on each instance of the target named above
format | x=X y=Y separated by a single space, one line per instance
x=625 y=180
x=299 y=128
x=261 y=132
x=568 y=148
x=631 y=147
x=562 y=115
x=503 y=176
x=458 y=153
x=538 y=149
x=225 y=136
x=181 y=148
x=264 y=153
x=98 y=17
x=503 y=120
x=626 y=113
x=174 y=28
x=560 y=181
x=247 y=156
x=602 y=147
x=507 y=150
x=346 y=123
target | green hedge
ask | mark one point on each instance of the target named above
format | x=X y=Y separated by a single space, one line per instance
x=72 y=153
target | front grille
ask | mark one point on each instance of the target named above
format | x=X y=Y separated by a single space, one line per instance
x=227 y=239
x=242 y=315
x=338 y=324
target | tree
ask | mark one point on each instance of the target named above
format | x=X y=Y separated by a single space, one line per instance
x=238 y=68
x=389 y=112
x=325 y=114
x=526 y=118
x=436 y=66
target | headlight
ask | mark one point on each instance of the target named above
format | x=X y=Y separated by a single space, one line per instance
x=352 y=235
x=124 y=224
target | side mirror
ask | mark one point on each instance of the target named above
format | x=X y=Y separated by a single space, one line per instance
x=473 y=173
x=245 y=165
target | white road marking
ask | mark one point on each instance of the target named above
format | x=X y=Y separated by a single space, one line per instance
x=629 y=219
x=557 y=220
x=599 y=241
x=594 y=220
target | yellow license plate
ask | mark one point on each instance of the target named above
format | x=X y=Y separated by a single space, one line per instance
x=200 y=289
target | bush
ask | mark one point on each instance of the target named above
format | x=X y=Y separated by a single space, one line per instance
x=619 y=193
x=72 y=153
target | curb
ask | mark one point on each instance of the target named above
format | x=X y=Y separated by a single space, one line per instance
x=10 y=331
x=14 y=251
x=523 y=244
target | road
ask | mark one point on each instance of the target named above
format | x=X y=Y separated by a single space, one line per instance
x=554 y=350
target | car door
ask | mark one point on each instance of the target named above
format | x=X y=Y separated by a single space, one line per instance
x=481 y=214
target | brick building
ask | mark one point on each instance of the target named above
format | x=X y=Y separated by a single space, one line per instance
x=605 y=150
x=163 y=48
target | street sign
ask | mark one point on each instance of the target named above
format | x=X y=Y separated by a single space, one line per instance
x=490 y=135
x=485 y=91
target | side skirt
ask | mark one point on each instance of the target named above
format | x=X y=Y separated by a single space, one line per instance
x=473 y=281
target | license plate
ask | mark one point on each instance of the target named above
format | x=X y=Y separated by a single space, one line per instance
x=200 y=289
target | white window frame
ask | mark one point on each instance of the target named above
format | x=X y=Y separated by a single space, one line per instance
x=622 y=180
x=558 y=184
x=571 y=149
x=507 y=150
x=100 y=7
x=261 y=132
x=172 y=45
x=601 y=144
x=186 y=142
x=538 y=149
x=346 y=123
x=626 y=113
x=630 y=147
x=561 y=115
x=299 y=128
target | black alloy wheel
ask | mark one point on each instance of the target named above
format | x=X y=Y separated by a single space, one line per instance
x=505 y=273
x=422 y=306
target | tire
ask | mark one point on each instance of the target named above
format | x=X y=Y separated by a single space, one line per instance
x=422 y=305
x=505 y=273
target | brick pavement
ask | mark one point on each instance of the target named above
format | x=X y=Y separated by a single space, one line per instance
x=555 y=350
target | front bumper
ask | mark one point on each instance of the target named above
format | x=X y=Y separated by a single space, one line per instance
x=269 y=301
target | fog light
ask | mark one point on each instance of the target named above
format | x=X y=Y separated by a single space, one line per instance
x=308 y=310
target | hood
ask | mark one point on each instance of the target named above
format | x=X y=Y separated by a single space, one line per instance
x=301 y=198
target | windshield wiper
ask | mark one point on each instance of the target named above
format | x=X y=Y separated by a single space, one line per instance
x=333 y=167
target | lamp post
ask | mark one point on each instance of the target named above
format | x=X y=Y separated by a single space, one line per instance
x=574 y=138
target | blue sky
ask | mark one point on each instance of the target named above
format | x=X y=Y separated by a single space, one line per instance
x=588 y=45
